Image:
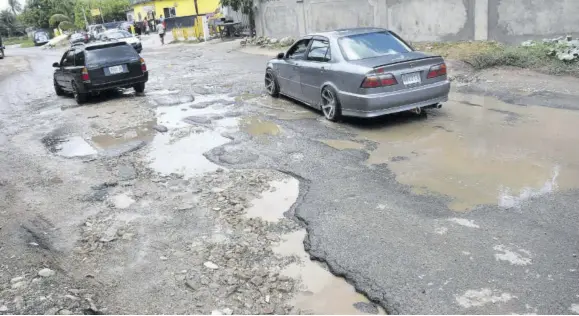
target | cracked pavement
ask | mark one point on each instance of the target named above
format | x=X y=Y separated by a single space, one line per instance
x=196 y=197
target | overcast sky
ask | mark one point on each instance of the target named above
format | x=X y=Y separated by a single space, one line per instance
x=4 y=4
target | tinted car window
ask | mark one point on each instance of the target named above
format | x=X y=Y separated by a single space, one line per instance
x=370 y=45
x=69 y=59
x=299 y=49
x=79 y=58
x=319 y=51
x=96 y=57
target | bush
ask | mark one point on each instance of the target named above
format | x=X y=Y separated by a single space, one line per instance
x=534 y=57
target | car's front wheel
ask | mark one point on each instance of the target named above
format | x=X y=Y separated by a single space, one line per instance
x=330 y=104
x=58 y=89
x=78 y=96
x=271 y=84
x=139 y=87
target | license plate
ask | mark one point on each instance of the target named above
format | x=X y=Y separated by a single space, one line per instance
x=411 y=79
x=116 y=70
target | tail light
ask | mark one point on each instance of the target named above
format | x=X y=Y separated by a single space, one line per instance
x=85 y=76
x=378 y=78
x=143 y=65
x=437 y=71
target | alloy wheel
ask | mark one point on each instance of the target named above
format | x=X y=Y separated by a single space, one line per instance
x=328 y=104
x=269 y=84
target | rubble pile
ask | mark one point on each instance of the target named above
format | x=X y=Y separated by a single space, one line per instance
x=564 y=48
x=265 y=41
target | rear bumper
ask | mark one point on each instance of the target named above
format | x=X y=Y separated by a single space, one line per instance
x=372 y=105
x=91 y=87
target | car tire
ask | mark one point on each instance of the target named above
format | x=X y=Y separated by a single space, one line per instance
x=79 y=97
x=331 y=106
x=1 y=54
x=58 y=89
x=271 y=85
x=139 y=87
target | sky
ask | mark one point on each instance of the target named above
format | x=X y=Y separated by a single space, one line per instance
x=4 y=4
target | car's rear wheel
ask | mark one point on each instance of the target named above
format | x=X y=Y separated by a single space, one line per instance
x=271 y=84
x=78 y=96
x=58 y=89
x=139 y=87
x=331 y=105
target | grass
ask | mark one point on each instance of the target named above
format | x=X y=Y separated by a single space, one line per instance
x=482 y=55
x=24 y=41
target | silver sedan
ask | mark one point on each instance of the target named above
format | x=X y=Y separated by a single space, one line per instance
x=362 y=72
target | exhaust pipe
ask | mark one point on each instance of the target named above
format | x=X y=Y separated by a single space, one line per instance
x=439 y=105
x=417 y=111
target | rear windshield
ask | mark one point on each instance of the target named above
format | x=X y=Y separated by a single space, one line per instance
x=97 y=57
x=119 y=34
x=370 y=45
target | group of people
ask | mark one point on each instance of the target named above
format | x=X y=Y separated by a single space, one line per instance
x=146 y=26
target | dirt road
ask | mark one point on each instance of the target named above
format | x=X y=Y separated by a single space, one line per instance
x=203 y=195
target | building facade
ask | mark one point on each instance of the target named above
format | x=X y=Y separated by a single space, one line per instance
x=153 y=9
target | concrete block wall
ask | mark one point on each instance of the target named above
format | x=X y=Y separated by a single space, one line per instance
x=423 y=20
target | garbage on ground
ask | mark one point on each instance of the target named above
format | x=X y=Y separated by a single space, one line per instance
x=565 y=48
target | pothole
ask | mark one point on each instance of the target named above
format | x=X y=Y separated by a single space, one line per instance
x=320 y=291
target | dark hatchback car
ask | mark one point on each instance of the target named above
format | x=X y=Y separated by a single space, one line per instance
x=40 y=37
x=90 y=69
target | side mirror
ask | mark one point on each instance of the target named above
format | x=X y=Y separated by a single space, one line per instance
x=56 y=65
x=280 y=55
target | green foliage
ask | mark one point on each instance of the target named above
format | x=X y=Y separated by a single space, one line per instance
x=56 y=19
x=9 y=24
x=245 y=6
x=15 y=6
x=66 y=26
x=536 y=57
x=37 y=13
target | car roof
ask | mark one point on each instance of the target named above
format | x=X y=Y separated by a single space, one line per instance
x=99 y=45
x=349 y=32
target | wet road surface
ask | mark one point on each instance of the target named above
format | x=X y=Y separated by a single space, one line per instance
x=472 y=209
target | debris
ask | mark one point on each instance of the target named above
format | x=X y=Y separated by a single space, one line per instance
x=46 y=273
x=3 y=308
x=16 y=280
x=211 y=265
x=161 y=128
x=227 y=311
x=19 y=285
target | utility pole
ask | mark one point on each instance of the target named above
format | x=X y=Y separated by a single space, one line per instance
x=196 y=8
x=85 y=19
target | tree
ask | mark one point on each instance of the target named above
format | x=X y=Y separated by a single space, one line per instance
x=245 y=6
x=15 y=6
x=57 y=18
x=9 y=24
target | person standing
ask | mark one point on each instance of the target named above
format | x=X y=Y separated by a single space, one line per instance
x=146 y=25
x=161 y=31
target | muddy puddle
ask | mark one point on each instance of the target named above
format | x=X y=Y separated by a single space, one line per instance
x=194 y=129
x=257 y=126
x=74 y=146
x=478 y=150
x=143 y=132
x=320 y=291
